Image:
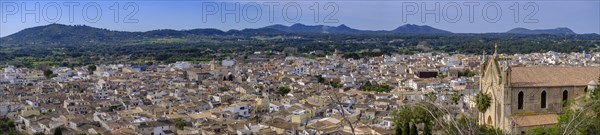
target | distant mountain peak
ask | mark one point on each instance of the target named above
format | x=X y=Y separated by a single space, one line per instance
x=297 y=25
x=343 y=26
x=409 y=25
x=419 y=29
x=555 y=31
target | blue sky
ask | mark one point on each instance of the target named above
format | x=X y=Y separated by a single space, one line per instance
x=582 y=16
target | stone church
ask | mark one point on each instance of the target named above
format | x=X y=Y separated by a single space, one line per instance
x=529 y=97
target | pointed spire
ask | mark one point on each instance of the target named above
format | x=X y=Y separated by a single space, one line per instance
x=496 y=49
x=483 y=58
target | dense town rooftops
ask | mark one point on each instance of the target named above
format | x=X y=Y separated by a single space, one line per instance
x=245 y=97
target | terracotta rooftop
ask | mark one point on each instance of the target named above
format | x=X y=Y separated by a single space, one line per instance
x=536 y=120
x=553 y=76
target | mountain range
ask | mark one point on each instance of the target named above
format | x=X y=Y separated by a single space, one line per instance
x=66 y=33
x=404 y=29
x=343 y=29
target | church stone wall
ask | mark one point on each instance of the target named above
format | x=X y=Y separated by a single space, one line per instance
x=533 y=97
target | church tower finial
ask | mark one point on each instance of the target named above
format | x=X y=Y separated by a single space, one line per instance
x=495 y=48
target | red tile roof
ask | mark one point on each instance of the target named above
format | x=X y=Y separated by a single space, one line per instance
x=553 y=76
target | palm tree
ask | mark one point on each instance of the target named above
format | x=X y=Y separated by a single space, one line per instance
x=483 y=101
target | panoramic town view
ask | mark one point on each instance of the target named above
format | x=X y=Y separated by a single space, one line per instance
x=299 y=67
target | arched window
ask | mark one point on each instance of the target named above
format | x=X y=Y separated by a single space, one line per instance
x=543 y=103
x=520 y=100
x=565 y=97
x=489 y=120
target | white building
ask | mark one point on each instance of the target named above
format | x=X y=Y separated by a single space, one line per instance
x=182 y=65
x=227 y=63
x=241 y=110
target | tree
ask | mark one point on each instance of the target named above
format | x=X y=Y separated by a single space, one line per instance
x=440 y=75
x=49 y=74
x=260 y=87
x=455 y=97
x=335 y=83
x=407 y=117
x=179 y=123
x=58 y=131
x=91 y=69
x=258 y=117
x=542 y=131
x=230 y=77
x=427 y=130
x=397 y=129
x=225 y=88
x=469 y=126
x=283 y=90
x=7 y=125
x=430 y=115
x=320 y=79
x=413 y=129
x=376 y=87
x=467 y=73
x=482 y=101
x=431 y=96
